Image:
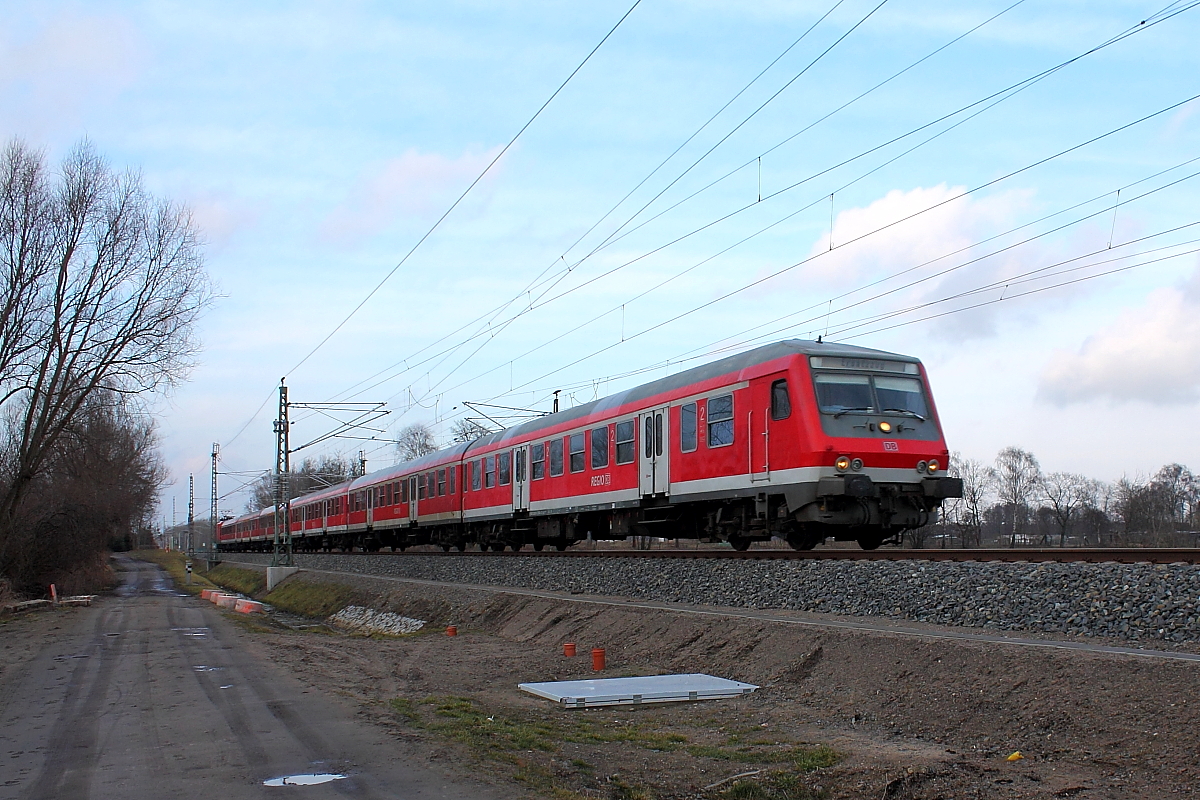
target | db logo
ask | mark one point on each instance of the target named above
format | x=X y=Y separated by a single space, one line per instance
x=891 y=447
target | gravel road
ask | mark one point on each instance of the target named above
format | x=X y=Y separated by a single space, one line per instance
x=152 y=694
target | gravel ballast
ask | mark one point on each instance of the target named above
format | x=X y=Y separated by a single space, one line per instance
x=1119 y=601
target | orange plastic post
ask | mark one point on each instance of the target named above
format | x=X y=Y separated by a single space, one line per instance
x=451 y=630
x=597 y=658
x=569 y=649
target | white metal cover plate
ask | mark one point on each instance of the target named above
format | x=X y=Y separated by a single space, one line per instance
x=632 y=691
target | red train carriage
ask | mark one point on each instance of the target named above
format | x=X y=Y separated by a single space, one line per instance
x=799 y=440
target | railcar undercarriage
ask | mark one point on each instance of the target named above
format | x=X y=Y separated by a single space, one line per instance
x=855 y=510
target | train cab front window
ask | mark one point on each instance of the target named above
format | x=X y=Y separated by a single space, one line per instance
x=902 y=395
x=838 y=394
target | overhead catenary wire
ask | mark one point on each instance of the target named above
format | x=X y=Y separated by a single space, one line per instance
x=998 y=97
x=533 y=284
x=775 y=274
x=1176 y=4
x=447 y=213
x=707 y=350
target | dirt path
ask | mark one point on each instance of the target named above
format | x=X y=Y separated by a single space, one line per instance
x=151 y=694
x=909 y=717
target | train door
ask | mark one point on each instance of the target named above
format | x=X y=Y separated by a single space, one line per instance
x=654 y=476
x=520 y=457
x=758 y=428
x=412 y=499
x=370 y=506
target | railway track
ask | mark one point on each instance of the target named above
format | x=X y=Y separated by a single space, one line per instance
x=1086 y=555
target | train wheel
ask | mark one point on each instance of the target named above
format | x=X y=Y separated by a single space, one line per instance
x=496 y=547
x=870 y=542
x=561 y=545
x=460 y=547
x=445 y=548
x=537 y=546
x=799 y=541
x=739 y=543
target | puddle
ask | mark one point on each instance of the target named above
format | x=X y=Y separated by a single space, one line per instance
x=203 y=668
x=112 y=634
x=311 y=779
x=227 y=686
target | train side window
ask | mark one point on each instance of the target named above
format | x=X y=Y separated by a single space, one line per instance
x=404 y=491
x=648 y=436
x=625 y=443
x=475 y=486
x=687 y=427
x=489 y=472
x=521 y=465
x=600 y=447
x=431 y=480
x=453 y=471
x=537 y=462
x=577 y=442
x=505 y=468
x=556 y=457
x=720 y=420
x=781 y=402
x=421 y=495
x=658 y=434
x=441 y=482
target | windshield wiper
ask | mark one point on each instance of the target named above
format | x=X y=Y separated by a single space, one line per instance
x=848 y=410
x=903 y=411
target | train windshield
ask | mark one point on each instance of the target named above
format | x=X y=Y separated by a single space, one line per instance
x=901 y=394
x=843 y=393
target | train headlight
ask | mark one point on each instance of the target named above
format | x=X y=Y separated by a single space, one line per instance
x=856 y=464
x=885 y=426
x=922 y=466
x=842 y=464
x=933 y=466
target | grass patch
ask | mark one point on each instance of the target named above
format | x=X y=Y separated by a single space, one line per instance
x=175 y=563
x=622 y=791
x=460 y=719
x=318 y=600
x=247 y=581
x=773 y=786
x=802 y=758
x=494 y=733
x=514 y=737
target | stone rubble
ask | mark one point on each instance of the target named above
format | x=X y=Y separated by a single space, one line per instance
x=1117 y=601
x=368 y=620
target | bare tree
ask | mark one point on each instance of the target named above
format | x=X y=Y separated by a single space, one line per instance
x=467 y=430
x=978 y=482
x=310 y=476
x=1065 y=494
x=415 y=441
x=103 y=287
x=96 y=490
x=1017 y=478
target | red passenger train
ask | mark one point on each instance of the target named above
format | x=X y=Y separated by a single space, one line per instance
x=798 y=440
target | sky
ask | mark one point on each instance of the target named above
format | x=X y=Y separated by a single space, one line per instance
x=1001 y=190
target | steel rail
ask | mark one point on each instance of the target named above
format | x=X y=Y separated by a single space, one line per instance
x=1062 y=555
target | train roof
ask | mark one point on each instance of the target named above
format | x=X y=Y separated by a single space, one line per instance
x=700 y=374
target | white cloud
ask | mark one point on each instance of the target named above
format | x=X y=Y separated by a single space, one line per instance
x=1150 y=353
x=219 y=217
x=64 y=66
x=922 y=233
x=415 y=184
